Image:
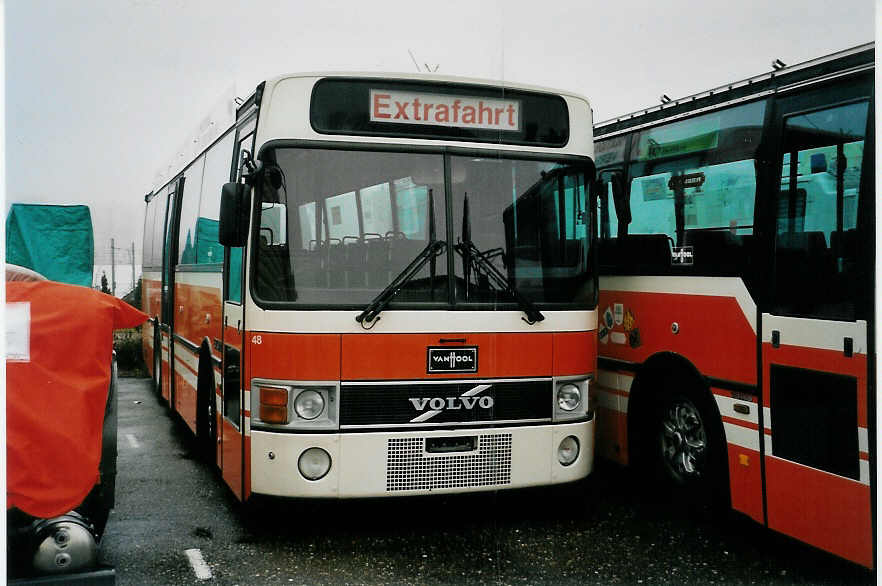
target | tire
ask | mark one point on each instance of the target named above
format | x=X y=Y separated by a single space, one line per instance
x=206 y=416
x=686 y=449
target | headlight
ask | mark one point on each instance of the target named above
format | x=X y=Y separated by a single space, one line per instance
x=314 y=463
x=568 y=397
x=568 y=450
x=309 y=404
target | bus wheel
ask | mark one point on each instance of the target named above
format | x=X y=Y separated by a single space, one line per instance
x=206 y=407
x=682 y=440
x=688 y=449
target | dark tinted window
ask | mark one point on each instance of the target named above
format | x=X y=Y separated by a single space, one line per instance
x=818 y=256
x=798 y=396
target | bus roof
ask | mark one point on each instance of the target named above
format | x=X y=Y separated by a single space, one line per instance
x=851 y=60
x=231 y=108
x=428 y=77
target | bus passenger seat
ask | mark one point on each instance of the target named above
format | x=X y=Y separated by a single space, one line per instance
x=354 y=253
x=376 y=260
x=647 y=253
x=715 y=251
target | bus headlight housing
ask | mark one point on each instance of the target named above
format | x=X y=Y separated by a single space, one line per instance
x=571 y=398
x=294 y=405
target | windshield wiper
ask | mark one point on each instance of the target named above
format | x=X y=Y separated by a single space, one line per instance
x=471 y=254
x=370 y=313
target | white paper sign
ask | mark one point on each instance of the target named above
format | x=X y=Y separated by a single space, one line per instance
x=18 y=332
x=618 y=338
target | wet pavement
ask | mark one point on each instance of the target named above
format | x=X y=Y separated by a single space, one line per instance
x=600 y=531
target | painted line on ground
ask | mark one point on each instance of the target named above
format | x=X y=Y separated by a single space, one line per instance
x=133 y=441
x=200 y=568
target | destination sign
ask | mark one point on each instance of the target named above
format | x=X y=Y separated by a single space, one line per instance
x=398 y=108
x=444 y=110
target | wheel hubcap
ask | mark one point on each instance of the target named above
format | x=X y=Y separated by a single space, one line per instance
x=683 y=440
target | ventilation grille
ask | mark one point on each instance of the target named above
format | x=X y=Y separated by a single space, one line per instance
x=408 y=467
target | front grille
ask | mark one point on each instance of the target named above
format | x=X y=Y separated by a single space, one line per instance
x=393 y=403
x=408 y=467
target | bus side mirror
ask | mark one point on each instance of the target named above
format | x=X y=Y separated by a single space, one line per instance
x=233 y=225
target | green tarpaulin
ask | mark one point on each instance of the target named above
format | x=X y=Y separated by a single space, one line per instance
x=56 y=241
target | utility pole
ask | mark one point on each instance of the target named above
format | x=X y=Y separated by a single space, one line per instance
x=112 y=268
x=133 y=265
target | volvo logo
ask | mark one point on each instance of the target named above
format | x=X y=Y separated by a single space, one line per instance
x=452 y=403
x=435 y=405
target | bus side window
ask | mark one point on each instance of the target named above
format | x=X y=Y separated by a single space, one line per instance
x=190 y=212
x=817 y=214
x=693 y=182
x=208 y=250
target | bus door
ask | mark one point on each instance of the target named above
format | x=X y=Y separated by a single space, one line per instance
x=232 y=428
x=815 y=331
x=167 y=314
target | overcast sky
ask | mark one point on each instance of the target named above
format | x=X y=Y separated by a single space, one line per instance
x=100 y=94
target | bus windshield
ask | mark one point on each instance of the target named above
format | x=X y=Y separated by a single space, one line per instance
x=338 y=226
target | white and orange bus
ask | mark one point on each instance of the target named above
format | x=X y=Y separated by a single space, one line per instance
x=395 y=295
x=736 y=309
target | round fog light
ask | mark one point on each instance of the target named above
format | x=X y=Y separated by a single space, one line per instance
x=309 y=404
x=568 y=397
x=568 y=450
x=314 y=463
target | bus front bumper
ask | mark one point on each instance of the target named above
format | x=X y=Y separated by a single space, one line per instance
x=399 y=463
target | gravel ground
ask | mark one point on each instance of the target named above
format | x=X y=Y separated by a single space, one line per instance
x=595 y=532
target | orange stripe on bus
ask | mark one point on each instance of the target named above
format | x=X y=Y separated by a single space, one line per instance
x=740 y=422
x=294 y=356
x=574 y=353
x=403 y=356
x=649 y=315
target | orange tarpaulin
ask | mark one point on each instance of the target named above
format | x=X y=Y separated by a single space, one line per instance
x=59 y=348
